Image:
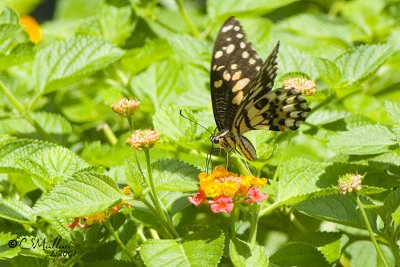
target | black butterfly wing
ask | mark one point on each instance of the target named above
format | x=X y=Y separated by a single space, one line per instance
x=234 y=68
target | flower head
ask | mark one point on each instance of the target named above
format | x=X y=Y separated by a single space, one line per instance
x=222 y=204
x=32 y=28
x=143 y=139
x=125 y=107
x=226 y=189
x=306 y=87
x=350 y=182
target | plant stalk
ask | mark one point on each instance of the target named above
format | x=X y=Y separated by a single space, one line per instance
x=254 y=216
x=369 y=229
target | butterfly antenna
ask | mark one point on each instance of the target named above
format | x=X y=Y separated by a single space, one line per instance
x=180 y=113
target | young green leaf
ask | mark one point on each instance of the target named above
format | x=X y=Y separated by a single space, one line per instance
x=175 y=175
x=246 y=254
x=13 y=149
x=5 y=251
x=393 y=109
x=134 y=177
x=328 y=71
x=363 y=140
x=85 y=193
x=362 y=61
x=171 y=124
x=202 y=248
x=292 y=60
x=138 y=59
x=63 y=62
x=52 y=165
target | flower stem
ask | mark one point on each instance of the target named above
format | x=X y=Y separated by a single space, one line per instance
x=371 y=234
x=24 y=112
x=187 y=19
x=112 y=139
x=254 y=212
x=119 y=242
x=160 y=211
x=234 y=216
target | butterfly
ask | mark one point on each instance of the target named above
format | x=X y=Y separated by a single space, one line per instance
x=241 y=92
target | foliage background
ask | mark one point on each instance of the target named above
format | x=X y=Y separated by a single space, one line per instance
x=55 y=109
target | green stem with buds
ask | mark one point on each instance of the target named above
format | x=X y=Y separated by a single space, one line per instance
x=371 y=233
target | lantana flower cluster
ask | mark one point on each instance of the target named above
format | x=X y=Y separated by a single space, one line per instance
x=223 y=189
x=304 y=86
x=350 y=182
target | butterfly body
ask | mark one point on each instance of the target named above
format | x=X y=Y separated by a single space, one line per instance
x=242 y=95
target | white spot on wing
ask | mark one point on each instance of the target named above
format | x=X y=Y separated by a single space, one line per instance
x=218 y=54
x=218 y=84
x=240 y=84
x=227 y=76
x=227 y=28
x=252 y=61
x=239 y=35
x=258 y=68
x=230 y=48
x=245 y=54
x=234 y=66
x=220 y=67
x=214 y=67
x=236 y=75
x=238 y=98
x=242 y=45
x=236 y=28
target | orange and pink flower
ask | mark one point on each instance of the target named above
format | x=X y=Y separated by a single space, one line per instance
x=226 y=189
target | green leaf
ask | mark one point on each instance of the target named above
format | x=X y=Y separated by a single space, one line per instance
x=339 y=209
x=14 y=149
x=175 y=175
x=16 y=211
x=134 y=177
x=393 y=109
x=52 y=165
x=158 y=83
x=54 y=124
x=292 y=60
x=216 y=9
x=323 y=27
x=363 y=253
x=362 y=61
x=327 y=115
x=246 y=254
x=328 y=71
x=115 y=17
x=300 y=178
x=298 y=254
x=97 y=153
x=85 y=193
x=189 y=49
x=5 y=250
x=202 y=248
x=392 y=205
x=363 y=140
x=21 y=53
x=138 y=59
x=172 y=125
x=328 y=243
x=64 y=62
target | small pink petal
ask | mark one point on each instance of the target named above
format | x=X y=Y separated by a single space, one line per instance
x=198 y=198
x=222 y=204
x=255 y=195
